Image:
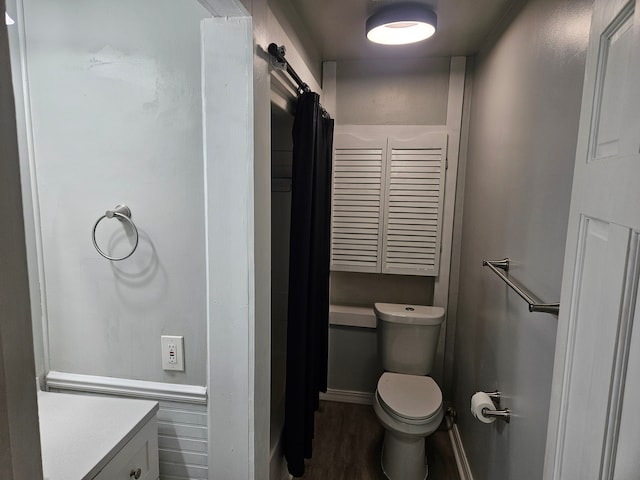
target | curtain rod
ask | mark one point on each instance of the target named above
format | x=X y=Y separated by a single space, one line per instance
x=277 y=53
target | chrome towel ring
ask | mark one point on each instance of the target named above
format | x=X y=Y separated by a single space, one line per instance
x=122 y=213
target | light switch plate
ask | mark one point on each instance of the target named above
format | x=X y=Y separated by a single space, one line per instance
x=172 y=352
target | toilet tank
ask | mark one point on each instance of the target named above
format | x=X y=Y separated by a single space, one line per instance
x=408 y=337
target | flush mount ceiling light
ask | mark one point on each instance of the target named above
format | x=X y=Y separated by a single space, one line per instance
x=401 y=23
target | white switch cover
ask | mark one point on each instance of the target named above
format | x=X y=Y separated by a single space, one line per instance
x=172 y=352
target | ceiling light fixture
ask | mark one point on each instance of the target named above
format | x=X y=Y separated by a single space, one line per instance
x=401 y=23
x=7 y=19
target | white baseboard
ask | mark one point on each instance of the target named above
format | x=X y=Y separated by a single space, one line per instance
x=277 y=464
x=347 y=396
x=128 y=388
x=464 y=471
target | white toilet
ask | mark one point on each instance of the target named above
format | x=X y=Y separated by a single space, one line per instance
x=407 y=403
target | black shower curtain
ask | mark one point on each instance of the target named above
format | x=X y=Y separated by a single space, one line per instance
x=308 y=314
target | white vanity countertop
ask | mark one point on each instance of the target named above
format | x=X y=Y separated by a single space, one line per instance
x=80 y=434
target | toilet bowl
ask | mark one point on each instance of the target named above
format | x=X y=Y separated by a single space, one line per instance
x=409 y=407
x=407 y=402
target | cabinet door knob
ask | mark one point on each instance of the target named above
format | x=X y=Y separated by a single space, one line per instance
x=135 y=473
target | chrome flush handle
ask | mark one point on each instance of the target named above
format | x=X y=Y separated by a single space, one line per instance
x=135 y=473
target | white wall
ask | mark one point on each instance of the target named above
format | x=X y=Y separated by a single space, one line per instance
x=116 y=106
x=523 y=128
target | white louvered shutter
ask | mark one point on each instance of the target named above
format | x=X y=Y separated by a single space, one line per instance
x=413 y=204
x=358 y=187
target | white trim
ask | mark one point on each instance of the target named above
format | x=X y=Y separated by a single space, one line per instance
x=235 y=421
x=398 y=131
x=456 y=241
x=33 y=180
x=225 y=8
x=127 y=388
x=464 y=471
x=453 y=128
x=347 y=396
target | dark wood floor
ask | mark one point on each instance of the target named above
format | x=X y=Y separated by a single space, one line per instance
x=348 y=442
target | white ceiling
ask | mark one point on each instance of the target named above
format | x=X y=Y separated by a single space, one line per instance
x=337 y=27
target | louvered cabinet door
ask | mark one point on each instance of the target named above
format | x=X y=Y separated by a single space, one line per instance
x=414 y=198
x=356 y=216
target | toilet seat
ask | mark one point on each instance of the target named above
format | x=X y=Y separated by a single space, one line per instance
x=413 y=399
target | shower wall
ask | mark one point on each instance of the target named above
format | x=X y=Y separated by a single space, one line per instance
x=117 y=118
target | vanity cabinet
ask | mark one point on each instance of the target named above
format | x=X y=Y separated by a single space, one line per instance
x=87 y=437
x=387 y=201
x=138 y=459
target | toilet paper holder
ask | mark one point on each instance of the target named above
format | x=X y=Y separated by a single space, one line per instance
x=500 y=413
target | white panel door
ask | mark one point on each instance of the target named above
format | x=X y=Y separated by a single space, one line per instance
x=594 y=429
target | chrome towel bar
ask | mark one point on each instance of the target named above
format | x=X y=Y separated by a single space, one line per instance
x=499 y=267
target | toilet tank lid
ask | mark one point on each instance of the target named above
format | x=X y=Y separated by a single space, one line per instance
x=409 y=314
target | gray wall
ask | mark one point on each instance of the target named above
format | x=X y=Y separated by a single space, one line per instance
x=396 y=91
x=353 y=351
x=364 y=289
x=524 y=121
x=19 y=445
x=281 y=163
x=117 y=117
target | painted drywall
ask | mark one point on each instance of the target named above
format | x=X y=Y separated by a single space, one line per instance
x=364 y=289
x=19 y=430
x=398 y=91
x=523 y=128
x=283 y=88
x=302 y=51
x=117 y=118
x=353 y=352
